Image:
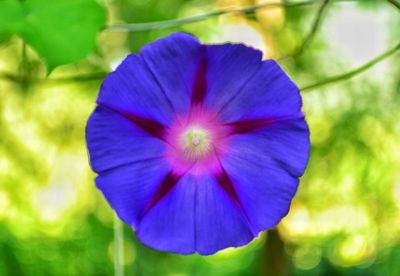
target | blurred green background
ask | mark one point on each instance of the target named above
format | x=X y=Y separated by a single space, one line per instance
x=345 y=218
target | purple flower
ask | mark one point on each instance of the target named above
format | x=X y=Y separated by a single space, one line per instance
x=198 y=147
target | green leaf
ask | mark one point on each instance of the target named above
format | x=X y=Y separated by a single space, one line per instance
x=4 y=36
x=62 y=31
x=11 y=16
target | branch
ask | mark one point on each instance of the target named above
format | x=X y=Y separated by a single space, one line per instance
x=76 y=78
x=309 y=38
x=140 y=27
x=353 y=72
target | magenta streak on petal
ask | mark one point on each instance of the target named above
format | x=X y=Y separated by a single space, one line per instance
x=165 y=187
x=199 y=87
x=245 y=126
x=150 y=126
x=227 y=185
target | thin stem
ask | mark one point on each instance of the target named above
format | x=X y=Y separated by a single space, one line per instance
x=315 y=26
x=24 y=60
x=118 y=247
x=354 y=72
x=140 y=27
x=23 y=70
x=274 y=258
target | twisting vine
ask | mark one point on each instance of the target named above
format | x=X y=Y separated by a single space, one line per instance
x=313 y=31
x=353 y=72
x=139 y=27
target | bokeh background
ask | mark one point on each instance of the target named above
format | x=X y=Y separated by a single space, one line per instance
x=345 y=218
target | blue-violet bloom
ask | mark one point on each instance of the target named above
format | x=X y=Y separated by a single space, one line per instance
x=198 y=147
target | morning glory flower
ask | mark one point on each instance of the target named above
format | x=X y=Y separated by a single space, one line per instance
x=198 y=147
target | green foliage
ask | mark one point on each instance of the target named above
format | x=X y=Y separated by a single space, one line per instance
x=62 y=31
x=4 y=36
x=345 y=218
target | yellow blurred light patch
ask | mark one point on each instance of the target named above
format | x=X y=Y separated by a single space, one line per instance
x=374 y=139
x=307 y=257
x=3 y=65
x=353 y=250
x=301 y=223
x=320 y=128
x=338 y=219
x=228 y=4
x=296 y=223
x=5 y=165
x=272 y=17
x=396 y=192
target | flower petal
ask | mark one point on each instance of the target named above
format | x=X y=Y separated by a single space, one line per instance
x=132 y=88
x=169 y=225
x=197 y=215
x=219 y=222
x=229 y=68
x=174 y=61
x=129 y=188
x=257 y=173
x=268 y=94
x=265 y=166
x=113 y=141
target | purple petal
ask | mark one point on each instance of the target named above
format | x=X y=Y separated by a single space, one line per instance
x=265 y=166
x=269 y=94
x=153 y=128
x=219 y=221
x=167 y=184
x=130 y=188
x=175 y=61
x=169 y=225
x=132 y=88
x=229 y=68
x=113 y=141
x=196 y=215
x=255 y=176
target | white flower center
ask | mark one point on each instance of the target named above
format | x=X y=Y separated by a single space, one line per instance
x=196 y=143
